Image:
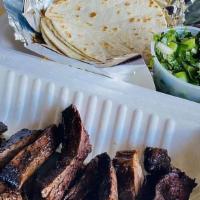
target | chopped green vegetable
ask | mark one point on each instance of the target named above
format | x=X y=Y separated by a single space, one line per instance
x=182 y=75
x=180 y=54
x=151 y=63
x=173 y=46
x=189 y=43
x=170 y=36
x=192 y=73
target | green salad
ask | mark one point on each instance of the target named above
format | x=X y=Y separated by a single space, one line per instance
x=180 y=54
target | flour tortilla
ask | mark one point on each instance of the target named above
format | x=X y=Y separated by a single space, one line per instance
x=55 y=43
x=49 y=24
x=67 y=51
x=49 y=43
x=106 y=29
x=164 y=3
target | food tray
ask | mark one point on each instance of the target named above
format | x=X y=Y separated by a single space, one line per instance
x=117 y=115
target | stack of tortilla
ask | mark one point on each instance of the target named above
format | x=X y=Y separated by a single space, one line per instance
x=100 y=31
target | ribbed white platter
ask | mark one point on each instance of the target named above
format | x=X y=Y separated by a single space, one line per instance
x=117 y=115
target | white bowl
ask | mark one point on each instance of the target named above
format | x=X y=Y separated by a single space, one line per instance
x=168 y=83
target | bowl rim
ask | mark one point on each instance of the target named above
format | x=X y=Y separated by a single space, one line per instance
x=163 y=68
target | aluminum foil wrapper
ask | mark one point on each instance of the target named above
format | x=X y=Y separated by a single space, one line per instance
x=192 y=14
x=174 y=11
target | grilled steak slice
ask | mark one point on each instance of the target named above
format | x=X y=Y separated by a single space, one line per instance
x=78 y=176
x=31 y=189
x=24 y=164
x=98 y=182
x=8 y=194
x=157 y=161
x=2 y=140
x=147 y=191
x=3 y=128
x=15 y=144
x=108 y=185
x=73 y=132
x=75 y=149
x=3 y=187
x=129 y=174
x=90 y=180
x=50 y=164
x=175 y=185
x=165 y=182
x=11 y=195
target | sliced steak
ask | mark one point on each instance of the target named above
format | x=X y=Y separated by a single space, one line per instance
x=31 y=188
x=90 y=180
x=16 y=143
x=3 y=128
x=50 y=164
x=3 y=187
x=11 y=195
x=24 y=164
x=7 y=194
x=78 y=176
x=2 y=140
x=76 y=147
x=147 y=191
x=98 y=181
x=175 y=185
x=129 y=174
x=108 y=185
x=157 y=161
x=73 y=132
